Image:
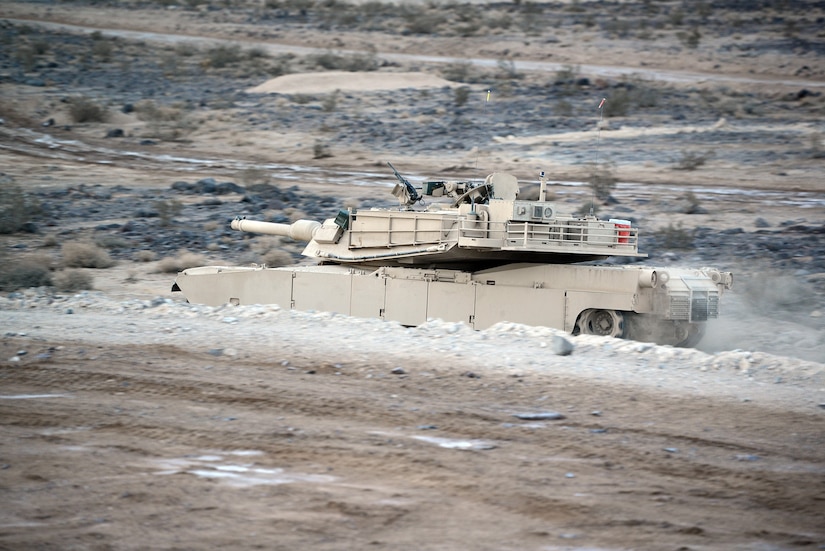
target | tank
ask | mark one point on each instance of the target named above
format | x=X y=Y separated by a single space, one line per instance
x=477 y=253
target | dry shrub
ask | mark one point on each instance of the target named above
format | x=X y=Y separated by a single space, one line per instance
x=277 y=257
x=83 y=109
x=31 y=271
x=145 y=256
x=70 y=281
x=184 y=259
x=16 y=208
x=85 y=255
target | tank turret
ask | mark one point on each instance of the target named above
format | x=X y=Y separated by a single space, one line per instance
x=477 y=253
x=474 y=226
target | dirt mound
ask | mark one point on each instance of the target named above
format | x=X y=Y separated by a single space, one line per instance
x=327 y=82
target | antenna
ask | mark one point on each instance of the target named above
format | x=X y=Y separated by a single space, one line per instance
x=598 y=160
x=478 y=149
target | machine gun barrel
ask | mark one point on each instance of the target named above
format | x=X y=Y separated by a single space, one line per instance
x=407 y=194
x=301 y=230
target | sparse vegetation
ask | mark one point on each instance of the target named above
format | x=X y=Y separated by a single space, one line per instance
x=329 y=102
x=85 y=255
x=353 y=62
x=692 y=205
x=168 y=210
x=676 y=237
x=145 y=255
x=83 y=109
x=462 y=94
x=602 y=179
x=817 y=150
x=320 y=151
x=174 y=264
x=16 y=208
x=223 y=55
x=690 y=160
x=32 y=271
x=252 y=175
x=71 y=281
x=277 y=257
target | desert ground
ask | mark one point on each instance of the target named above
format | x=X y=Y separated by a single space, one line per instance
x=132 y=132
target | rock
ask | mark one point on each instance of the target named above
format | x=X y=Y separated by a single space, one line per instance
x=561 y=346
x=115 y=133
x=540 y=416
x=225 y=188
x=398 y=371
x=746 y=457
x=762 y=223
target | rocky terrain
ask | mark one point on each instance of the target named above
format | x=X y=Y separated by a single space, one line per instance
x=131 y=134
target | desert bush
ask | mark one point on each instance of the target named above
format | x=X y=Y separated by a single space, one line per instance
x=40 y=46
x=70 y=281
x=330 y=102
x=566 y=79
x=676 y=237
x=16 y=208
x=418 y=21
x=102 y=49
x=149 y=111
x=301 y=99
x=631 y=92
x=184 y=49
x=85 y=255
x=33 y=271
x=184 y=259
x=563 y=108
x=253 y=175
x=602 y=180
x=676 y=17
x=50 y=241
x=164 y=122
x=817 y=150
x=277 y=257
x=83 y=109
x=458 y=72
x=462 y=94
x=223 y=55
x=168 y=211
x=355 y=62
x=320 y=151
x=690 y=39
x=588 y=207
x=27 y=57
x=145 y=255
x=507 y=70
x=691 y=203
x=618 y=104
x=256 y=52
x=111 y=242
x=690 y=160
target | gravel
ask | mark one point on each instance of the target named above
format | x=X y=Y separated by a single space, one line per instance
x=271 y=334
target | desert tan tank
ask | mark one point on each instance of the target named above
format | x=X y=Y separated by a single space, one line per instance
x=477 y=254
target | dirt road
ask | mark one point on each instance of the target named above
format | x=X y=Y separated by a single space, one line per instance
x=270 y=443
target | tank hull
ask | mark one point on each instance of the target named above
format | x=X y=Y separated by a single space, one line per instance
x=648 y=304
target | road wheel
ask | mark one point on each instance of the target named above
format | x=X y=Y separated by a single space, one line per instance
x=693 y=334
x=606 y=323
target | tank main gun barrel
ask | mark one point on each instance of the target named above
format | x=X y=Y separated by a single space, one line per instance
x=301 y=230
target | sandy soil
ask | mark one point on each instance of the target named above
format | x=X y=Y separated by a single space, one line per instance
x=171 y=427
x=186 y=430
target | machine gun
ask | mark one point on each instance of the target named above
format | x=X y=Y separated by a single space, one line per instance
x=404 y=190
